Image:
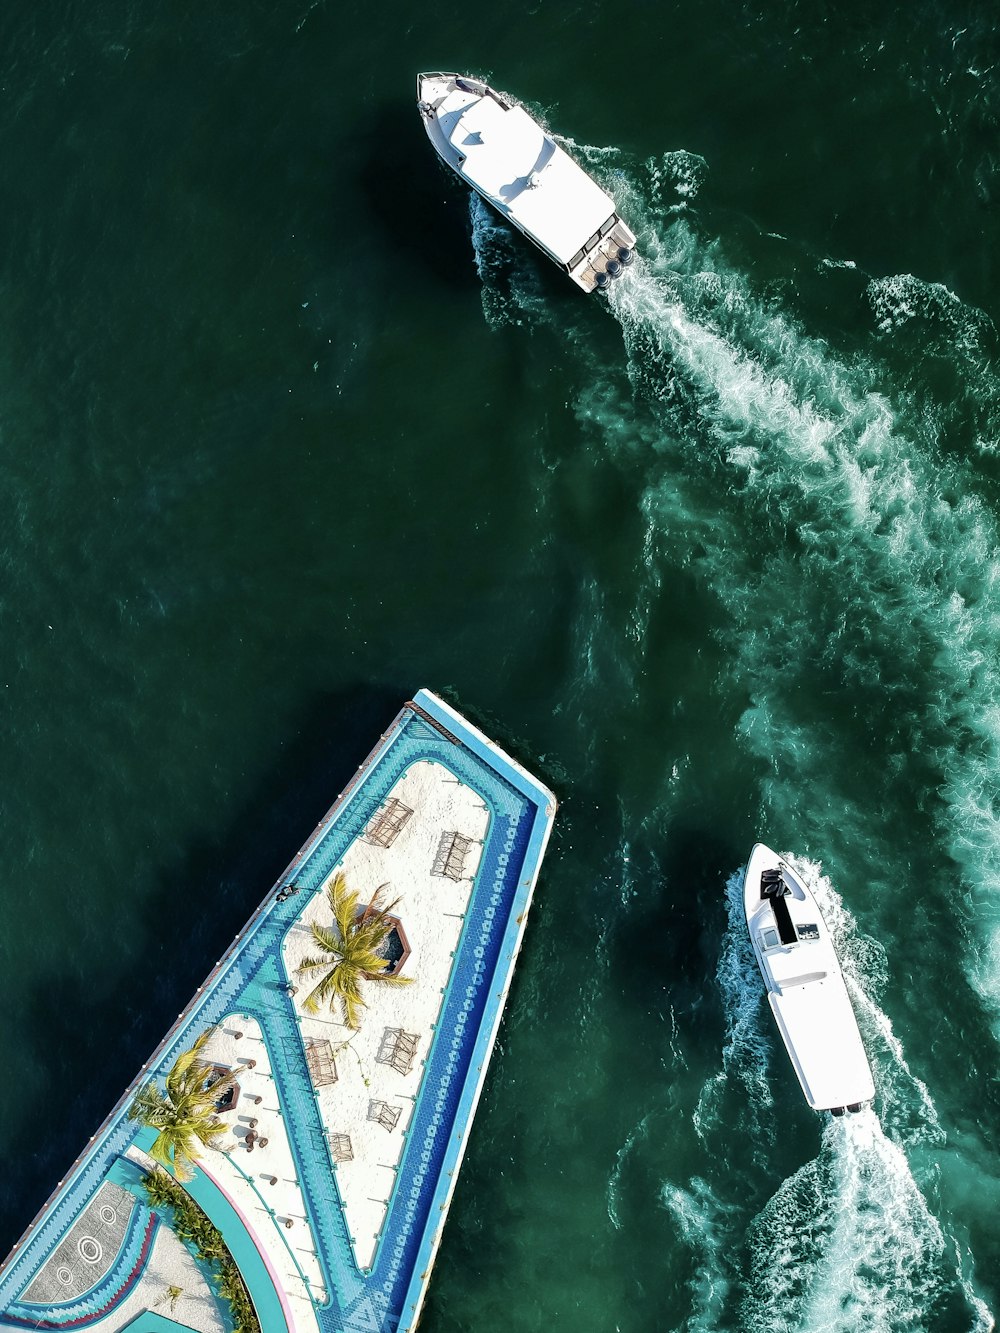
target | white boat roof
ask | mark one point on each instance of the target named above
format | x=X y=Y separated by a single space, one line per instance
x=807 y=995
x=509 y=158
x=820 y=1031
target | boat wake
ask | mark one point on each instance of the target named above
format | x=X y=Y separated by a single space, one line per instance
x=706 y=1225
x=746 y=1050
x=848 y=1241
x=870 y=547
x=848 y=555
x=826 y=519
x=845 y=1243
x=511 y=292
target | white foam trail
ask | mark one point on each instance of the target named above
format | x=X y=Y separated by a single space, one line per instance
x=902 y=298
x=937 y=324
x=784 y=428
x=509 y=288
x=746 y=1049
x=847 y=1243
x=676 y=1050
x=614 y=1181
x=884 y=526
x=705 y=1225
x=873 y=508
x=680 y=171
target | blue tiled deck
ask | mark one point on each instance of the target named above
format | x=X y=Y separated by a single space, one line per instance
x=388 y=1296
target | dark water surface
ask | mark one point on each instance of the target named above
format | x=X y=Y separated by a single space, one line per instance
x=287 y=430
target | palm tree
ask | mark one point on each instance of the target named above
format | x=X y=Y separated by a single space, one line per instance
x=173 y=1295
x=184 y=1114
x=350 y=951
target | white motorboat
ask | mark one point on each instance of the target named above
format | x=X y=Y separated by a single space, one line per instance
x=805 y=986
x=492 y=143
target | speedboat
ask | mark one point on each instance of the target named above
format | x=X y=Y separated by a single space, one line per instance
x=805 y=986
x=492 y=143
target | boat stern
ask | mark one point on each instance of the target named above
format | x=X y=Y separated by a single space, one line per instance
x=604 y=257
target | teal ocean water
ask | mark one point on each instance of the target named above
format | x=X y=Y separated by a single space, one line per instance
x=290 y=427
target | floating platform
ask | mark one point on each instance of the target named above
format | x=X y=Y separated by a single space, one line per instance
x=340 y=1148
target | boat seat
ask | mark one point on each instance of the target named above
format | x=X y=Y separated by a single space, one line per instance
x=773 y=885
x=802 y=980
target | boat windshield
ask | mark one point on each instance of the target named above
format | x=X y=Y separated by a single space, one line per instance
x=769 y=938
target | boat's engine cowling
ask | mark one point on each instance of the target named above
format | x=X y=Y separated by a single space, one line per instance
x=626 y=255
x=614 y=268
x=602 y=282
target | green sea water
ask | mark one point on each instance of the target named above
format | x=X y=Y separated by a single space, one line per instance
x=290 y=427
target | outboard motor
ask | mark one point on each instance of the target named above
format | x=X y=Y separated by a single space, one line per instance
x=614 y=268
x=602 y=282
x=626 y=255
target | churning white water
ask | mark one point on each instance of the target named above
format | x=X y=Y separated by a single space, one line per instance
x=817 y=509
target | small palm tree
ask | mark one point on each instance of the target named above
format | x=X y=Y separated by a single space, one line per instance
x=350 y=951
x=184 y=1114
x=173 y=1295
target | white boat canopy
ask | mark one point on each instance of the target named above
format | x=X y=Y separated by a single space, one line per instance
x=506 y=156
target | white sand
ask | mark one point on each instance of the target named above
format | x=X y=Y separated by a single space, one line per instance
x=246 y=1175
x=169 y=1265
x=432 y=910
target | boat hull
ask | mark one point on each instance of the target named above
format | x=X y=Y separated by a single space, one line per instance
x=805 y=986
x=497 y=149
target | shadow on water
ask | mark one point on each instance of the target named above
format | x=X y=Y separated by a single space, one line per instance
x=420 y=208
x=689 y=915
x=91 y=1046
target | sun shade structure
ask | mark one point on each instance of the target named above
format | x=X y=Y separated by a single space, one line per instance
x=340 y=1148
x=319 y=1058
x=451 y=856
x=398 y=1049
x=385 y=1115
x=387 y=825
